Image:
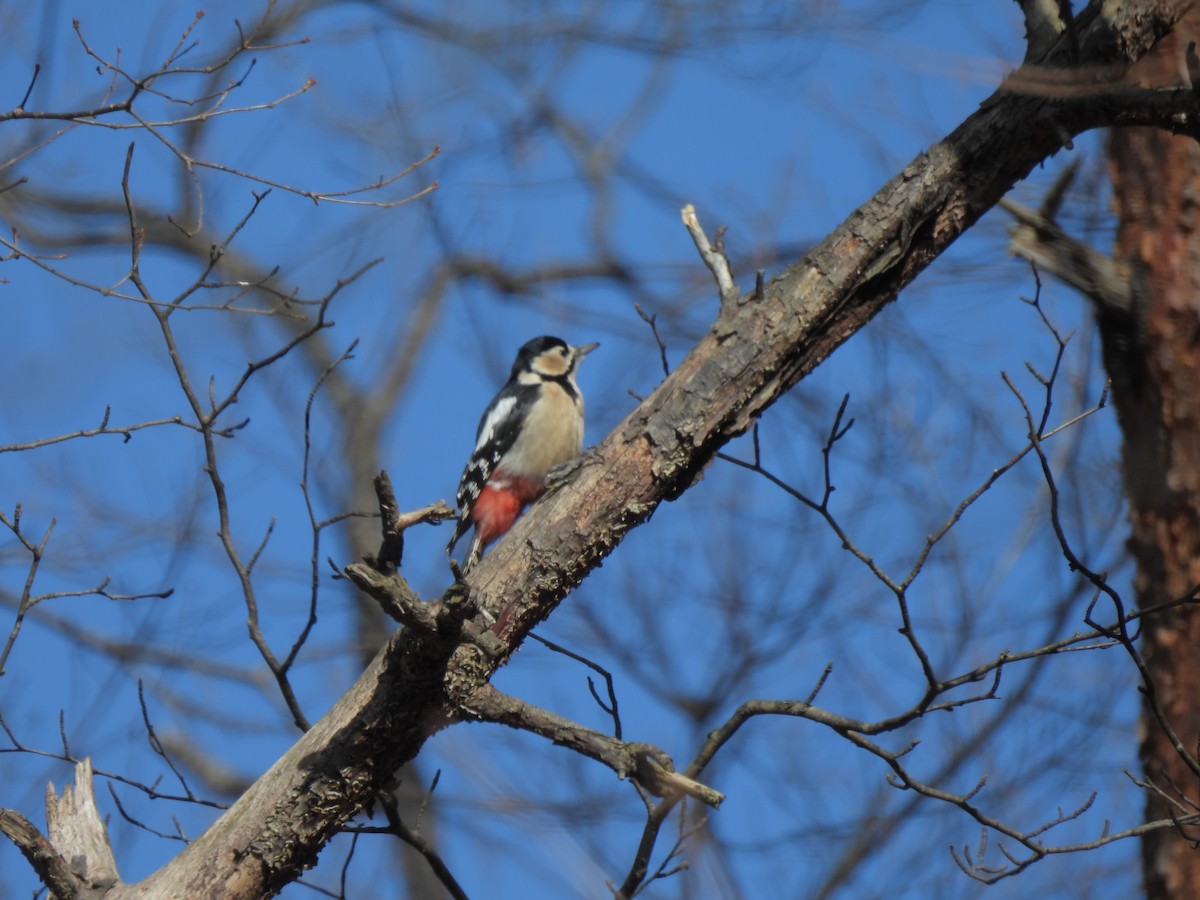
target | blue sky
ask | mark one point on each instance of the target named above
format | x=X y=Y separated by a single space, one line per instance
x=779 y=136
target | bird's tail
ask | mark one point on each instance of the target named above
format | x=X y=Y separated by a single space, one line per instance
x=474 y=551
x=460 y=528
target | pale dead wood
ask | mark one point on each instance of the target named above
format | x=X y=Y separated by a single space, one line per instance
x=77 y=831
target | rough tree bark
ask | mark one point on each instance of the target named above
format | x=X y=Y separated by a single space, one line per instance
x=1153 y=358
x=435 y=671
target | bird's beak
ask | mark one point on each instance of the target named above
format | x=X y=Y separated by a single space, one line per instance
x=581 y=352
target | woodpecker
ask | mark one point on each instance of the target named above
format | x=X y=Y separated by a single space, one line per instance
x=534 y=424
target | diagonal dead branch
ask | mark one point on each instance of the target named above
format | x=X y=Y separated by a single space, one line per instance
x=42 y=857
x=1042 y=241
x=651 y=767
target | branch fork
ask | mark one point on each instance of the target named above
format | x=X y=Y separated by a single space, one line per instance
x=378 y=575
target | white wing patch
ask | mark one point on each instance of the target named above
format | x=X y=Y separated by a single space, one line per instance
x=495 y=416
x=482 y=462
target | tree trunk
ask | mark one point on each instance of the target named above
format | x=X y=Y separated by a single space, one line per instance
x=1152 y=351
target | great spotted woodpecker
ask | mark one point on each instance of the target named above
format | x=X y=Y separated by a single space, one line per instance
x=534 y=424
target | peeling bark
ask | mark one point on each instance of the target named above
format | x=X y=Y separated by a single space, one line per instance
x=1154 y=361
